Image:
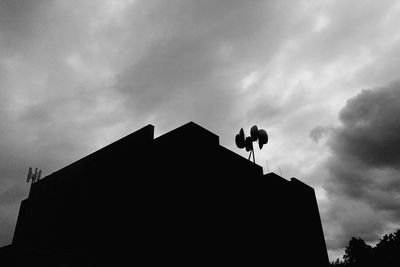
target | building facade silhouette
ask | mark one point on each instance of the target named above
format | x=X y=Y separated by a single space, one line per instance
x=177 y=200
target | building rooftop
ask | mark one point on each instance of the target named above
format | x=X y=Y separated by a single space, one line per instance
x=180 y=199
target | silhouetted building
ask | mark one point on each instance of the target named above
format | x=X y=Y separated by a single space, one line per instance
x=177 y=200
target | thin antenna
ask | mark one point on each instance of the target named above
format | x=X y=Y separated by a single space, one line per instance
x=267 y=166
x=254 y=157
x=33 y=176
x=280 y=172
x=28 y=178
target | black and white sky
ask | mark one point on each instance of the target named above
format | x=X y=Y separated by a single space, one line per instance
x=319 y=75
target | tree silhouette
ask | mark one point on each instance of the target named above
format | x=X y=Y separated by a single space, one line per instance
x=388 y=249
x=358 y=253
x=385 y=253
x=337 y=263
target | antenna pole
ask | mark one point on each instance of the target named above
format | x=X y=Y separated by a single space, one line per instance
x=254 y=157
x=30 y=187
x=267 y=166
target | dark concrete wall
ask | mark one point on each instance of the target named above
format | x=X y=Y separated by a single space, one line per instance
x=71 y=207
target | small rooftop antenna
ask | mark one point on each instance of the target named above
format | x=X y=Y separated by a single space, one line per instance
x=256 y=134
x=33 y=176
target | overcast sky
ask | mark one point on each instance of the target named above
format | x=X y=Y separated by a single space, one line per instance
x=319 y=76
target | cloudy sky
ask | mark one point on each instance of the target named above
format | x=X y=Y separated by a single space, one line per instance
x=320 y=76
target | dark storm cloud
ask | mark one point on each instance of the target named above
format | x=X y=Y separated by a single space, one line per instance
x=371 y=127
x=365 y=165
